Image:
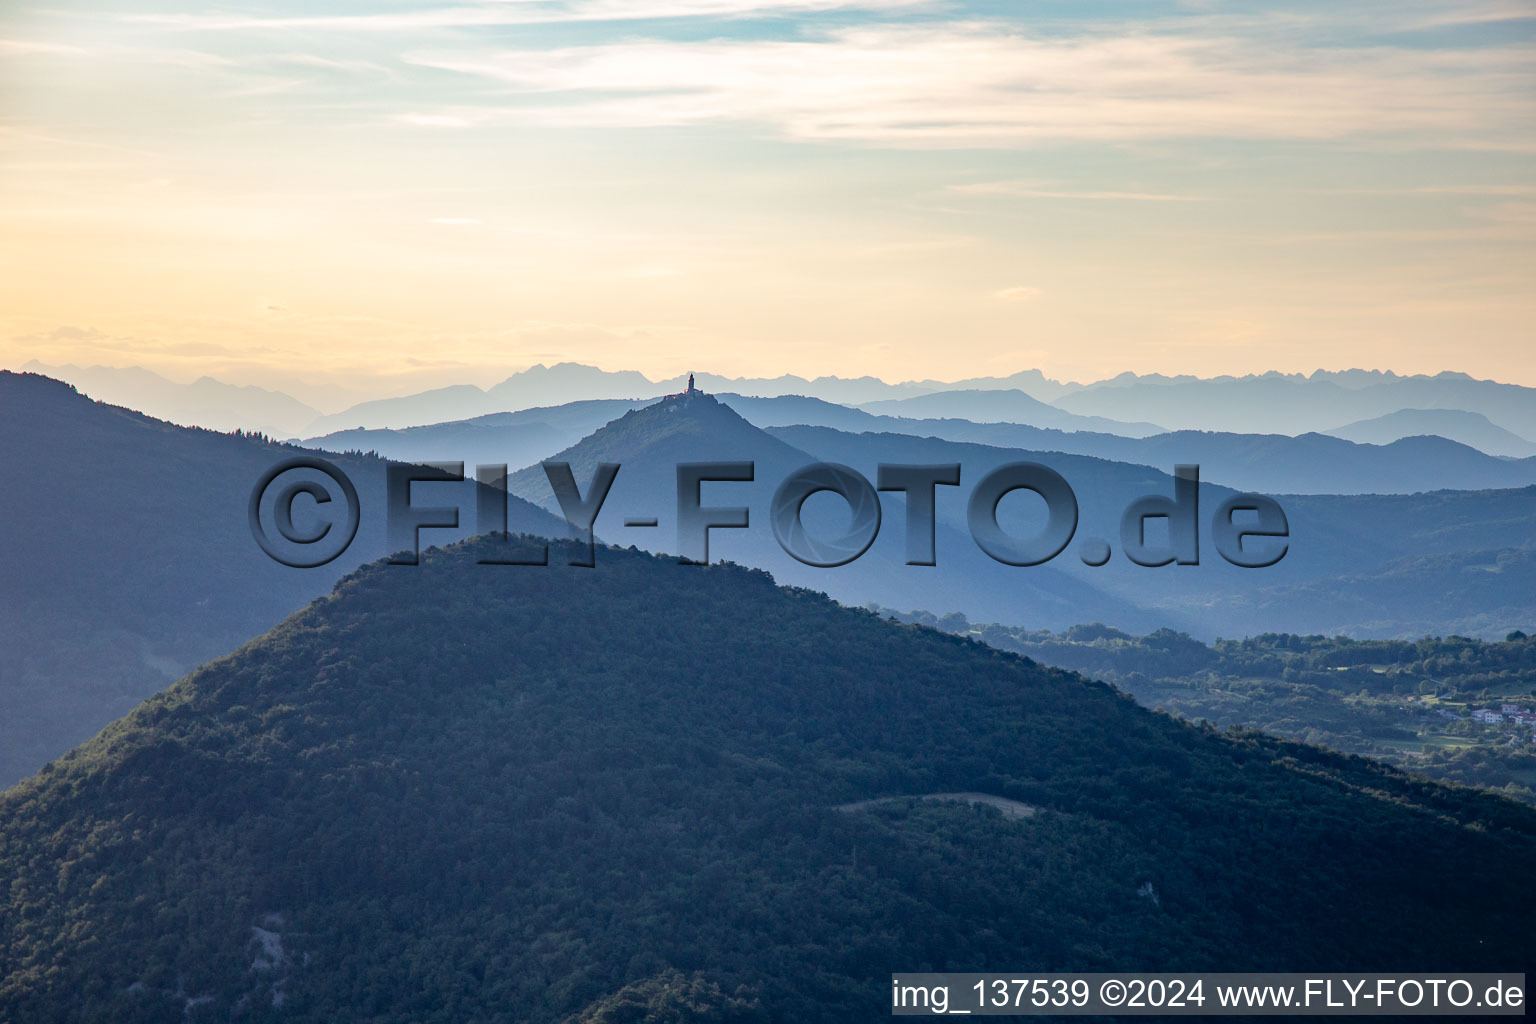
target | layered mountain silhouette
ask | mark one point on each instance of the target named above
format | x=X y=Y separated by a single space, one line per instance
x=1365 y=548
x=650 y=442
x=1319 y=464
x=1294 y=404
x=139 y=529
x=465 y=792
x=1468 y=428
x=1004 y=406
x=543 y=386
x=538 y=386
x=129 y=558
x=1269 y=463
x=203 y=403
x=514 y=438
x=1385 y=562
x=1270 y=403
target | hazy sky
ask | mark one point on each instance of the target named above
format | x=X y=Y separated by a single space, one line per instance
x=908 y=189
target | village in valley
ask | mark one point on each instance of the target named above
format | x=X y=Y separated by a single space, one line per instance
x=1521 y=717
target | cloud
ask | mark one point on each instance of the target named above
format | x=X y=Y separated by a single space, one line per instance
x=1031 y=190
x=63 y=333
x=888 y=73
x=517 y=12
x=1018 y=293
x=435 y=120
x=1469 y=13
x=200 y=348
x=1432 y=191
x=989 y=84
x=1513 y=222
x=28 y=47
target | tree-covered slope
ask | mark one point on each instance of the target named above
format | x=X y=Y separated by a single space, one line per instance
x=461 y=792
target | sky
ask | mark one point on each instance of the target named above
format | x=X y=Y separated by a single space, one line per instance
x=384 y=196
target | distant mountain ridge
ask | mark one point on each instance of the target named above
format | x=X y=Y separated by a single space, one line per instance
x=1386 y=564
x=1004 y=406
x=1362 y=565
x=159 y=570
x=1269 y=463
x=545 y=386
x=517 y=439
x=1271 y=402
x=205 y=402
x=1297 y=403
x=1293 y=404
x=1468 y=428
x=650 y=442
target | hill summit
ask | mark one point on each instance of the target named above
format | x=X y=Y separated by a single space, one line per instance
x=460 y=792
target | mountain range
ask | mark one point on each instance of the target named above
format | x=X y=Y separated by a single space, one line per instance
x=139 y=526
x=205 y=402
x=515 y=438
x=649 y=443
x=1384 y=565
x=1127 y=404
x=1362 y=565
x=1468 y=428
x=1003 y=406
x=1276 y=403
x=1270 y=463
x=545 y=386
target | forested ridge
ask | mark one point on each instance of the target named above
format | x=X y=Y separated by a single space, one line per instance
x=460 y=792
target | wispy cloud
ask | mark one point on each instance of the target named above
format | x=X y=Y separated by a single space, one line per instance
x=1034 y=190
x=436 y=120
x=1439 y=15
x=1432 y=191
x=1511 y=222
x=29 y=47
x=992 y=85
x=516 y=12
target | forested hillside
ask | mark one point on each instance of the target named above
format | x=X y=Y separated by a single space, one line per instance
x=465 y=792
